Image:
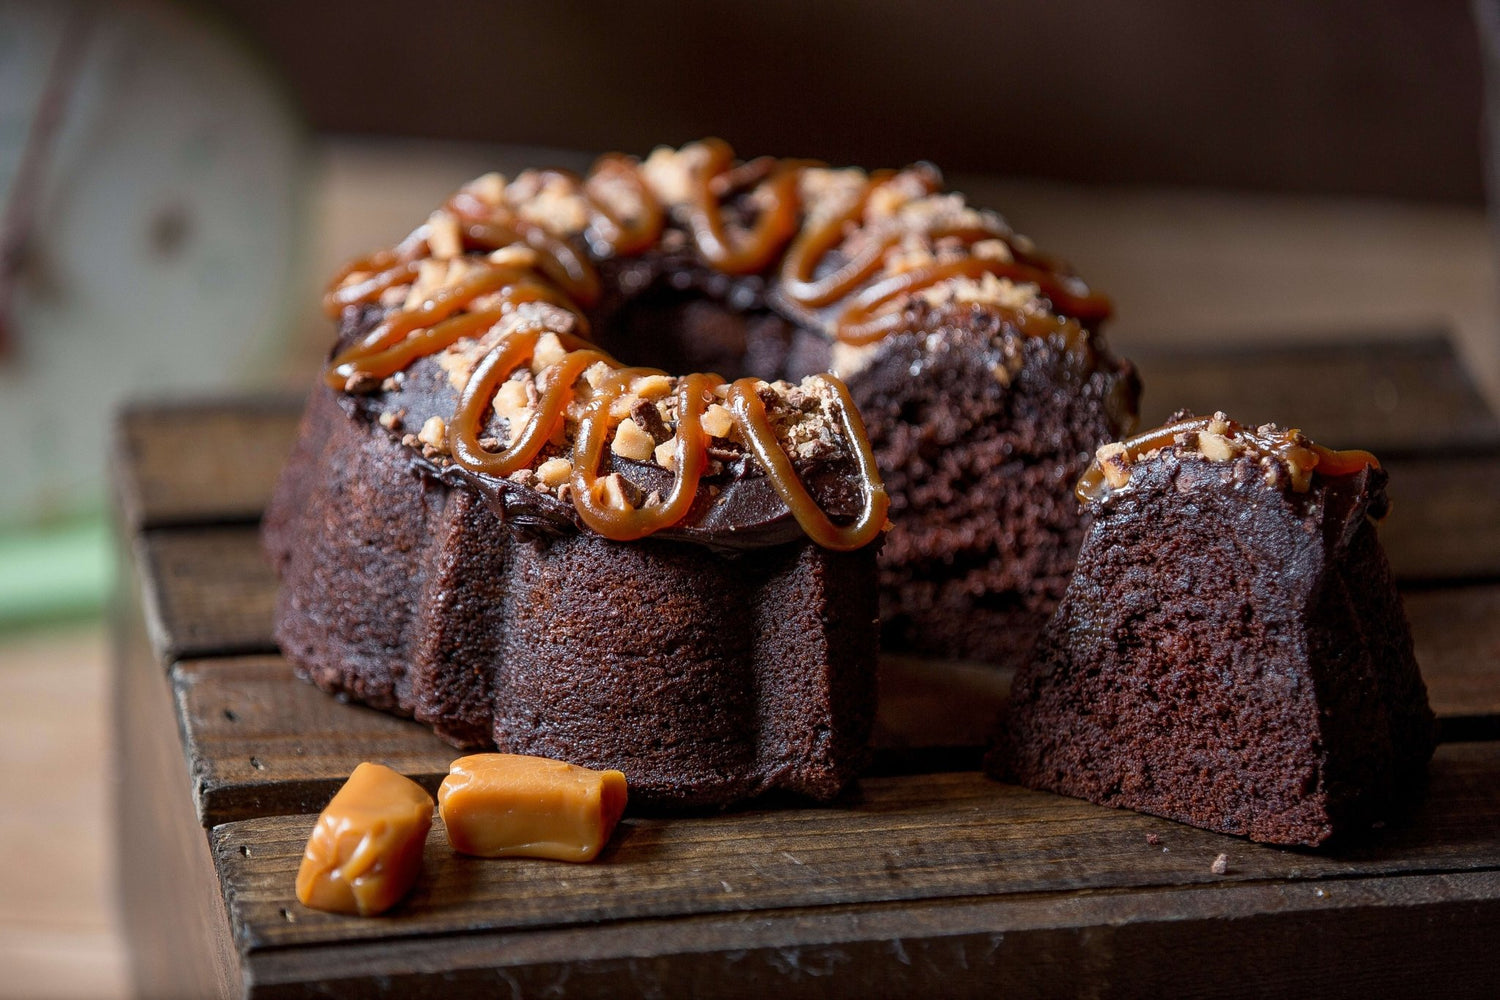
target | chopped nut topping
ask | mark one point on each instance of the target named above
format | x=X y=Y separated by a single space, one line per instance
x=554 y=471
x=597 y=373
x=1283 y=458
x=431 y=275
x=434 y=434
x=1115 y=463
x=632 y=442
x=391 y=419
x=613 y=491
x=515 y=255
x=361 y=382
x=1216 y=447
x=550 y=201
x=666 y=454
x=717 y=421
x=443 y=237
x=549 y=351
x=488 y=188
x=669 y=172
x=649 y=417
x=652 y=386
x=992 y=250
x=511 y=397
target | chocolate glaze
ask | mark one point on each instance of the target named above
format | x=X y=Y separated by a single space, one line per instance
x=738 y=509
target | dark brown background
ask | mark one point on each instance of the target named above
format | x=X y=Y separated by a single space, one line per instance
x=1370 y=97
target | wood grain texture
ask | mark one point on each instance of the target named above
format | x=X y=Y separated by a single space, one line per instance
x=1444 y=523
x=1386 y=396
x=1458 y=648
x=263 y=742
x=175 y=923
x=201 y=461
x=948 y=836
x=207 y=591
x=1411 y=936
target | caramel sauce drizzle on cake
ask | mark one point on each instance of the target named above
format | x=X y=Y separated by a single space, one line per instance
x=895 y=239
x=1286 y=455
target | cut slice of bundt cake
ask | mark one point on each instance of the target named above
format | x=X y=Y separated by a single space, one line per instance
x=1231 y=652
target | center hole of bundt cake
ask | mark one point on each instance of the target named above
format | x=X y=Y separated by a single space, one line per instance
x=690 y=331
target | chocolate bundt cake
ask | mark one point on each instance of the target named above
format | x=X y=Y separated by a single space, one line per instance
x=494 y=526
x=1231 y=652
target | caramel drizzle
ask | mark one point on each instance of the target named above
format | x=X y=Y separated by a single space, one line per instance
x=567 y=279
x=865 y=319
x=1300 y=456
x=556 y=389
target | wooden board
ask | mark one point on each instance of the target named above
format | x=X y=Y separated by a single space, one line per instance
x=198 y=461
x=947 y=836
x=926 y=878
x=1388 y=396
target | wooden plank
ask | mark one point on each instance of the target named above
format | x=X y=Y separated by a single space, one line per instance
x=263 y=742
x=948 y=836
x=1413 y=936
x=207 y=591
x=1444 y=522
x=177 y=928
x=1384 y=395
x=1458 y=647
x=202 y=461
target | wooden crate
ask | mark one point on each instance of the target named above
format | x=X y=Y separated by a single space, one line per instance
x=927 y=879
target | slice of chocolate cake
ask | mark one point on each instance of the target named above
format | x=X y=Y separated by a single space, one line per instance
x=1231 y=652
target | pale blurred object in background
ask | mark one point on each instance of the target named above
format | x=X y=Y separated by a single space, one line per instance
x=152 y=184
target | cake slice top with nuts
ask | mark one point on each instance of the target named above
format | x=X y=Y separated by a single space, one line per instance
x=1284 y=458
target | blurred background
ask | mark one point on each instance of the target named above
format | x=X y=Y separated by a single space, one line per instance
x=176 y=180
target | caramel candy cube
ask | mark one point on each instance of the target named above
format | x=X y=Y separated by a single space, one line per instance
x=366 y=849
x=499 y=805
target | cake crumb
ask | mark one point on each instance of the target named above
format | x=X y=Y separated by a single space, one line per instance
x=1153 y=839
x=1220 y=865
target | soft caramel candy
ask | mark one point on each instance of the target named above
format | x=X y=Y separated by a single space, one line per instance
x=498 y=805
x=366 y=850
